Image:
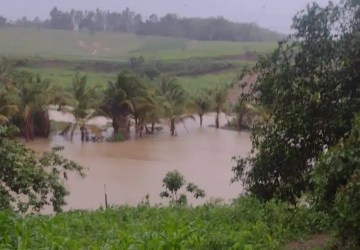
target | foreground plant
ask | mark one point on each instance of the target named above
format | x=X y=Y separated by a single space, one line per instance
x=29 y=182
x=173 y=182
x=245 y=224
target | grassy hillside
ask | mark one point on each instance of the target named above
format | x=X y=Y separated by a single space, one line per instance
x=69 y=45
x=57 y=55
x=247 y=224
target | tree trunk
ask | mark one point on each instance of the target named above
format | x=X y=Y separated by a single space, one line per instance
x=82 y=129
x=141 y=129
x=152 y=128
x=72 y=131
x=217 y=123
x=172 y=127
x=28 y=130
x=136 y=120
x=115 y=124
x=41 y=124
x=45 y=124
x=201 y=120
x=121 y=125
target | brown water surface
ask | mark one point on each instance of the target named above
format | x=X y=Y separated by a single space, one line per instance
x=134 y=168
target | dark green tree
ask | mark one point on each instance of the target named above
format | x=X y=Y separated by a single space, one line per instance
x=309 y=85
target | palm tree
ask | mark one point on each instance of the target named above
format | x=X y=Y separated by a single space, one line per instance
x=173 y=99
x=202 y=105
x=219 y=94
x=118 y=102
x=28 y=93
x=242 y=109
x=8 y=105
x=85 y=103
x=46 y=96
x=146 y=109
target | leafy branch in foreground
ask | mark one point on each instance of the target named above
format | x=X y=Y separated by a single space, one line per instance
x=29 y=182
x=173 y=182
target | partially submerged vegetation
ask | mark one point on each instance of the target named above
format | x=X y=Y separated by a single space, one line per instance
x=301 y=176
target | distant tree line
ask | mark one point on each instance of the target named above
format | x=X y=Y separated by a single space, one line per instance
x=209 y=29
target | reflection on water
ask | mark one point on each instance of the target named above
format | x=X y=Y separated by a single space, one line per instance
x=132 y=169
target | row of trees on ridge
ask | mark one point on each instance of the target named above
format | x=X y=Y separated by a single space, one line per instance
x=210 y=29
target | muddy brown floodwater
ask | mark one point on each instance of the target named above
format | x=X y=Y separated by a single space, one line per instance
x=134 y=168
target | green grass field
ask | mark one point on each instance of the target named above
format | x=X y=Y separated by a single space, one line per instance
x=69 y=45
x=247 y=224
x=64 y=77
x=192 y=84
x=196 y=64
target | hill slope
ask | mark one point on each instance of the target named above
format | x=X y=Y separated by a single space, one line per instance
x=60 y=44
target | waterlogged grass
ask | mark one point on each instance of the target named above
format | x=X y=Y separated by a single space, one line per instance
x=192 y=84
x=195 y=84
x=248 y=224
x=64 y=77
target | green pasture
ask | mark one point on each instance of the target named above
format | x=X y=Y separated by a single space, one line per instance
x=70 y=45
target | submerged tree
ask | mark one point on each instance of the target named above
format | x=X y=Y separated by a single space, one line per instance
x=309 y=74
x=219 y=94
x=85 y=104
x=202 y=104
x=118 y=102
x=173 y=99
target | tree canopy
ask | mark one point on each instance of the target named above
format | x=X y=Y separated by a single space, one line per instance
x=310 y=86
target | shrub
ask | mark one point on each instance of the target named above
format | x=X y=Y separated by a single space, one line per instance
x=116 y=138
x=347 y=212
x=173 y=182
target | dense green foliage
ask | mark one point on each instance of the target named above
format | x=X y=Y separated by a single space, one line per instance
x=347 y=212
x=310 y=88
x=211 y=29
x=29 y=182
x=336 y=186
x=247 y=224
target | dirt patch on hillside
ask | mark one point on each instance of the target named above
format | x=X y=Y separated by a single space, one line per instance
x=93 y=48
x=317 y=241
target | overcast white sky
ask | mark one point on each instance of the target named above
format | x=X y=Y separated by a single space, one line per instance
x=273 y=14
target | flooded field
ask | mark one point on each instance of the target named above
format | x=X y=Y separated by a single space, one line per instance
x=134 y=168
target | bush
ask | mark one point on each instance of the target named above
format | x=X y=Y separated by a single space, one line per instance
x=347 y=212
x=116 y=138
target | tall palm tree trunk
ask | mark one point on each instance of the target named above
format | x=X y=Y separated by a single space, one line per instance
x=45 y=130
x=82 y=129
x=72 y=131
x=28 y=130
x=153 y=128
x=201 y=119
x=115 y=125
x=120 y=125
x=217 y=122
x=172 y=127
